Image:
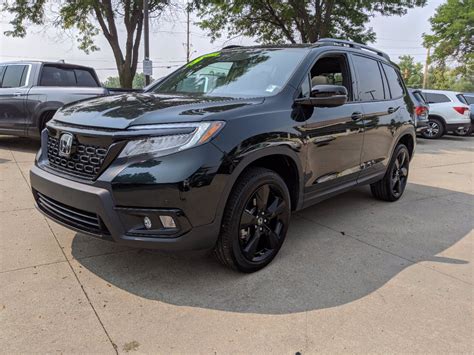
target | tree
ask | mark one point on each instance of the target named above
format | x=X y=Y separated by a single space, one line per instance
x=295 y=21
x=138 y=81
x=441 y=77
x=452 y=33
x=89 y=18
x=411 y=71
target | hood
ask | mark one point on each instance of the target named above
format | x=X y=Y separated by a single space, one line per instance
x=123 y=111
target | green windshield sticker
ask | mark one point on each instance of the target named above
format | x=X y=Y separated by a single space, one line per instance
x=198 y=59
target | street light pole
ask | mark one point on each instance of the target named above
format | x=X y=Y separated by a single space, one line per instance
x=187 y=34
x=146 y=39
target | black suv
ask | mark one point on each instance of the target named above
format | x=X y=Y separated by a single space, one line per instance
x=218 y=154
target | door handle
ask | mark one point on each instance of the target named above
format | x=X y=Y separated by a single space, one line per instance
x=17 y=94
x=392 y=109
x=357 y=116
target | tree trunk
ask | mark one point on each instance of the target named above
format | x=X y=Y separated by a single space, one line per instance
x=126 y=77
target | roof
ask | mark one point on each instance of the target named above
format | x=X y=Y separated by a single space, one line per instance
x=446 y=92
x=45 y=63
x=320 y=43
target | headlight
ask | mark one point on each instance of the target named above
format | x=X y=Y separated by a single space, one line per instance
x=165 y=144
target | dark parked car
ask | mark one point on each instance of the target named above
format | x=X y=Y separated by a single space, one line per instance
x=422 y=109
x=470 y=101
x=31 y=92
x=219 y=154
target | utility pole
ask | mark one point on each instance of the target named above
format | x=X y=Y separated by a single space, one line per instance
x=188 y=10
x=425 y=74
x=147 y=66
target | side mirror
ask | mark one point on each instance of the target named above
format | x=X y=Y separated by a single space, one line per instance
x=325 y=96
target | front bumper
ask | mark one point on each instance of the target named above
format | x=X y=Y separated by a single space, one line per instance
x=74 y=205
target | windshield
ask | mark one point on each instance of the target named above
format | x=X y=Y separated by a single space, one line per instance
x=242 y=73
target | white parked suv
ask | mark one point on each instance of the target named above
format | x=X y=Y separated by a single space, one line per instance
x=449 y=112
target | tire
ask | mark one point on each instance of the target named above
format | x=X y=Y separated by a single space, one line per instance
x=463 y=132
x=45 y=117
x=393 y=184
x=255 y=221
x=435 y=129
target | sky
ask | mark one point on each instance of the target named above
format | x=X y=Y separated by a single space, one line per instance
x=395 y=36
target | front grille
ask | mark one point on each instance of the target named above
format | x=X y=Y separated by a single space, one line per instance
x=76 y=218
x=85 y=160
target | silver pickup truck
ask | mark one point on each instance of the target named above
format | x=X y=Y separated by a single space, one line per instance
x=31 y=92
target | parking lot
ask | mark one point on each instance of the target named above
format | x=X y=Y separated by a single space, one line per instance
x=354 y=275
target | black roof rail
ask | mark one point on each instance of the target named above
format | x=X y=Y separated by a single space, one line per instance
x=231 y=46
x=340 y=42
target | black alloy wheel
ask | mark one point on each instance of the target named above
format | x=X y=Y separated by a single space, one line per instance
x=393 y=184
x=434 y=130
x=255 y=221
x=399 y=173
x=262 y=223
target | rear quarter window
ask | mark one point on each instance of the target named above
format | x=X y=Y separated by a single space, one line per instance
x=419 y=97
x=394 y=81
x=462 y=99
x=433 y=98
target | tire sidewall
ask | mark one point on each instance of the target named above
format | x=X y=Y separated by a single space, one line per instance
x=388 y=181
x=439 y=134
x=252 y=185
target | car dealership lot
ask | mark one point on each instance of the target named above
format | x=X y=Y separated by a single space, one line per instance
x=354 y=275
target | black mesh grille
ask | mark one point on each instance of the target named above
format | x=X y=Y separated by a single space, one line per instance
x=85 y=160
x=79 y=219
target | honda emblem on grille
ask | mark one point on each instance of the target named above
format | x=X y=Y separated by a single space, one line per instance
x=65 y=144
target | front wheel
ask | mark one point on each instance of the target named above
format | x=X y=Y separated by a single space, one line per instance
x=255 y=221
x=392 y=186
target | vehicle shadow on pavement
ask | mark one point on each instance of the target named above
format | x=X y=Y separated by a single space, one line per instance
x=336 y=252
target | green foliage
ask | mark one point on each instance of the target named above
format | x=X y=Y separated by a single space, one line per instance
x=453 y=33
x=295 y=21
x=442 y=78
x=89 y=18
x=138 y=81
x=411 y=71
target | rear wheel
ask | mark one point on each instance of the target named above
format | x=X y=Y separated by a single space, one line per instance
x=392 y=186
x=434 y=130
x=462 y=132
x=255 y=221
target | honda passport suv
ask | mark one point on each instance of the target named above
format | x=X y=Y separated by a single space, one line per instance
x=218 y=154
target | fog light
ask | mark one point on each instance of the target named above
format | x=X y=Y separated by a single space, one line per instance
x=147 y=222
x=167 y=221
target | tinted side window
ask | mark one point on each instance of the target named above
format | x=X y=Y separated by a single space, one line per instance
x=56 y=76
x=370 y=79
x=394 y=81
x=85 y=78
x=419 y=97
x=462 y=99
x=14 y=76
x=2 y=71
x=469 y=99
x=435 y=98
